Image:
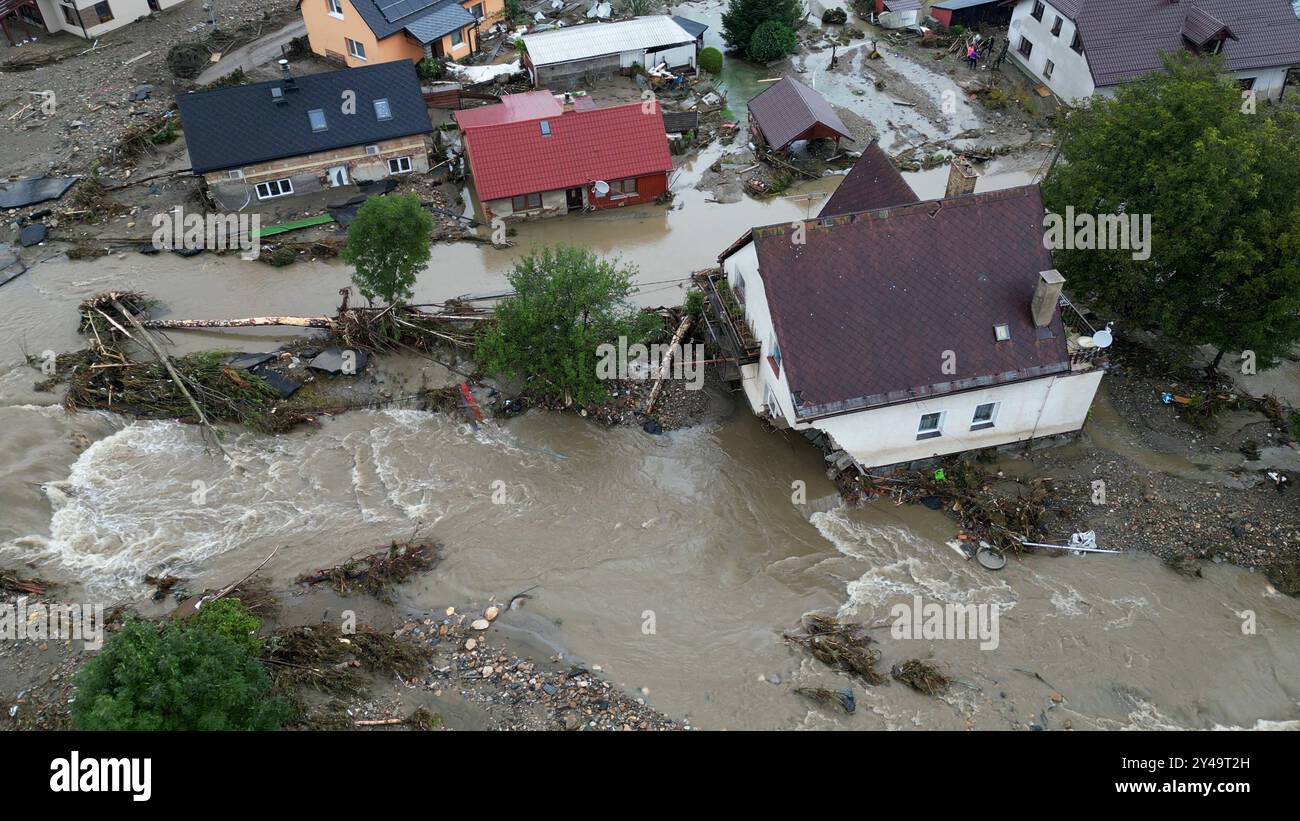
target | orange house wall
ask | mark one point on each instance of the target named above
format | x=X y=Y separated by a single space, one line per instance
x=328 y=34
x=648 y=189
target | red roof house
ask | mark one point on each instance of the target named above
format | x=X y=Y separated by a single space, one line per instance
x=539 y=155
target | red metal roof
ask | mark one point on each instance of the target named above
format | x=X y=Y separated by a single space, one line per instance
x=534 y=105
x=514 y=158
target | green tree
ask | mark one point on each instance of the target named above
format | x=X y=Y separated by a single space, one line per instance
x=743 y=17
x=175 y=676
x=772 y=41
x=1221 y=181
x=388 y=243
x=567 y=303
x=230 y=618
x=711 y=60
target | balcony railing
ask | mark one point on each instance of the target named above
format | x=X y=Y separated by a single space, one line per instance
x=724 y=322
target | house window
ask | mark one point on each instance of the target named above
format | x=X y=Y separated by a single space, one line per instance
x=545 y=125
x=383 y=111
x=1056 y=27
x=931 y=426
x=1039 y=8
x=1025 y=48
x=526 y=201
x=336 y=8
x=1048 y=69
x=70 y=16
x=775 y=356
x=457 y=39
x=399 y=165
x=317 y=117
x=372 y=149
x=235 y=174
x=739 y=289
x=355 y=49
x=104 y=12
x=477 y=11
x=1246 y=83
x=626 y=187
x=985 y=415
x=1002 y=333
x=1077 y=42
x=273 y=189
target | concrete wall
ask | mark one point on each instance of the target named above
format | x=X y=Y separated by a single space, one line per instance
x=885 y=436
x=1071 y=79
x=309 y=172
x=124 y=12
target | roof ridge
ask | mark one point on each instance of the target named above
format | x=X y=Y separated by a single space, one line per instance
x=891 y=211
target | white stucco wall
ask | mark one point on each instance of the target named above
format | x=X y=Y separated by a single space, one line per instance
x=887 y=435
x=674 y=57
x=1071 y=79
x=125 y=12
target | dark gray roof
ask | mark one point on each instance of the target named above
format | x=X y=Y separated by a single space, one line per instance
x=787 y=109
x=872 y=183
x=417 y=17
x=1124 y=39
x=693 y=28
x=240 y=125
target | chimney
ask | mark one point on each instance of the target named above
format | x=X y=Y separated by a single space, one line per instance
x=961 y=177
x=568 y=102
x=1047 y=297
x=290 y=84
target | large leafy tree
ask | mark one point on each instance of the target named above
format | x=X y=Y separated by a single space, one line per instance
x=1220 y=178
x=175 y=676
x=743 y=17
x=388 y=243
x=567 y=303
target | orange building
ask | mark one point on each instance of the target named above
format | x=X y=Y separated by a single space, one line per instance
x=365 y=32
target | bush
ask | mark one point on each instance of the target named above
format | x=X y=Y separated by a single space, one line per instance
x=283 y=256
x=711 y=60
x=230 y=618
x=175 y=676
x=694 y=303
x=957 y=30
x=431 y=69
x=772 y=41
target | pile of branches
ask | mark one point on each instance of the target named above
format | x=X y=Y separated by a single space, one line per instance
x=377 y=573
x=921 y=676
x=322 y=657
x=830 y=698
x=840 y=646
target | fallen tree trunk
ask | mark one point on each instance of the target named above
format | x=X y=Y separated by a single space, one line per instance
x=666 y=365
x=248 y=322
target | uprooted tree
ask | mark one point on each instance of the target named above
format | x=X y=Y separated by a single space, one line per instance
x=1220 y=176
x=567 y=303
x=388 y=243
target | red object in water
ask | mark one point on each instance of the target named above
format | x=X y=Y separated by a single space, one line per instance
x=469 y=401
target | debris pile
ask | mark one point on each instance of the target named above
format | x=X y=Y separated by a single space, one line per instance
x=921 y=676
x=377 y=573
x=839 y=645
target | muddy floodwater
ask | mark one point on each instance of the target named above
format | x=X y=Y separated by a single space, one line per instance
x=675 y=562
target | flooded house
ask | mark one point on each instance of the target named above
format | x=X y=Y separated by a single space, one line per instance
x=84 y=18
x=1078 y=48
x=364 y=32
x=539 y=155
x=567 y=57
x=296 y=135
x=788 y=112
x=891 y=330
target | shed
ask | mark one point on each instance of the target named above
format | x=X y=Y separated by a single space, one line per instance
x=566 y=57
x=790 y=111
x=972 y=13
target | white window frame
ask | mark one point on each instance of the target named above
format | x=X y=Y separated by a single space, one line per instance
x=356 y=50
x=1048 y=68
x=930 y=433
x=335 y=8
x=388 y=105
x=280 y=188
x=977 y=424
x=235 y=174
x=457 y=35
x=399 y=161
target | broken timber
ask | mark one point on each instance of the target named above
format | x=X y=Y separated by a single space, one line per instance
x=666 y=365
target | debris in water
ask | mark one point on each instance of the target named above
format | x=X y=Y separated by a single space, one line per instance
x=827 y=697
x=322 y=657
x=921 y=676
x=839 y=645
x=378 y=572
x=13 y=583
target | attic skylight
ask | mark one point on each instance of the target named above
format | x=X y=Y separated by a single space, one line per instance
x=1002 y=333
x=546 y=128
x=383 y=111
x=317 y=117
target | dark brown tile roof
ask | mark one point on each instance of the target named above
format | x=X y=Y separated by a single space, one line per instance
x=1124 y=39
x=872 y=183
x=865 y=309
x=788 y=108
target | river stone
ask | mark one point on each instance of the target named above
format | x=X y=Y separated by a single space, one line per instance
x=470 y=644
x=491 y=613
x=481 y=624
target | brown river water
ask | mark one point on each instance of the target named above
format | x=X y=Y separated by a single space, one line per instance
x=695 y=528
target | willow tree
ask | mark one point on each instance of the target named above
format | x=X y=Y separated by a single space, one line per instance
x=1219 y=173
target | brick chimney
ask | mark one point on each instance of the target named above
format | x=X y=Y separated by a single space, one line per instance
x=1047 y=297
x=961 y=177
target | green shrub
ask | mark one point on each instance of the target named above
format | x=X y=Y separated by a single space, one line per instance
x=431 y=69
x=711 y=60
x=230 y=618
x=957 y=30
x=772 y=41
x=283 y=256
x=175 y=676
x=694 y=302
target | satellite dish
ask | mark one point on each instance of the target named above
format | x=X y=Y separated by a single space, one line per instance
x=1104 y=338
x=601 y=188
